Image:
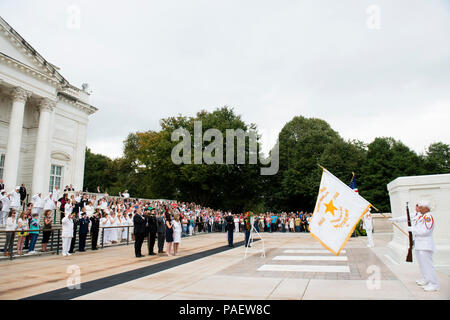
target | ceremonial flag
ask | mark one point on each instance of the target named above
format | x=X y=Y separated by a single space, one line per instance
x=337 y=212
x=353 y=184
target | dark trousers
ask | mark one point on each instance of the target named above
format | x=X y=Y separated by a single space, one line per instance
x=9 y=241
x=139 y=239
x=72 y=244
x=82 y=241
x=247 y=237
x=161 y=237
x=27 y=241
x=230 y=237
x=33 y=238
x=94 y=239
x=151 y=238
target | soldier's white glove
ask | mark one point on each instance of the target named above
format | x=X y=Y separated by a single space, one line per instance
x=410 y=229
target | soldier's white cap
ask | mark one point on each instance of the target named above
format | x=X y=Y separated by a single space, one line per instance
x=424 y=203
x=3 y=190
x=17 y=188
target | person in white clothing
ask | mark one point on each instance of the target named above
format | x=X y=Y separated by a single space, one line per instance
x=67 y=233
x=368 y=226
x=11 y=226
x=49 y=204
x=6 y=201
x=38 y=205
x=126 y=195
x=55 y=195
x=15 y=199
x=422 y=227
x=89 y=209
x=236 y=224
x=68 y=207
x=176 y=233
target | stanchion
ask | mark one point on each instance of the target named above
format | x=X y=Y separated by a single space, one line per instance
x=57 y=244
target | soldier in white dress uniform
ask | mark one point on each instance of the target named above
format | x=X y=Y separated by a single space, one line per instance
x=15 y=199
x=422 y=227
x=4 y=198
x=38 y=205
x=368 y=226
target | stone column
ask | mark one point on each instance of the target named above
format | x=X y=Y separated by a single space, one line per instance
x=41 y=170
x=80 y=156
x=10 y=173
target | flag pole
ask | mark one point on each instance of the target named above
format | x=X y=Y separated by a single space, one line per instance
x=395 y=225
x=321 y=166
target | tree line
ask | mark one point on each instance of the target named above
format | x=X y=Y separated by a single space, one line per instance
x=146 y=169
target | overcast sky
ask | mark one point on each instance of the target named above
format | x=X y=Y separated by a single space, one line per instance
x=269 y=60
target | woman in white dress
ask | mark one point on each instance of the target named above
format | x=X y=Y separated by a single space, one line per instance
x=124 y=223
x=176 y=234
x=113 y=231
x=104 y=222
x=291 y=224
x=130 y=224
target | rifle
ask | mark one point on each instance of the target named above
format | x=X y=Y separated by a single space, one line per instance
x=409 y=257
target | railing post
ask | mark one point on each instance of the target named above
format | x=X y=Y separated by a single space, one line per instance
x=128 y=234
x=57 y=242
x=51 y=243
x=11 y=246
x=103 y=235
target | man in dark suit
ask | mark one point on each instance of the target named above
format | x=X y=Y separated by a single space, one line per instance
x=161 y=229
x=23 y=193
x=84 y=229
x=75 y=227
x=230 y=228
x=152 y=230
x=139 y=222
x=95 y=226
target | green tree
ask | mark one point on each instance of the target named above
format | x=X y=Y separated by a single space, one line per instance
x=95 y=168
x=387 y=159
x=437 y=158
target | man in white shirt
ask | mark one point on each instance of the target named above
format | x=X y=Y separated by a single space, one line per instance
x=49 y=204
x=38 y=204
x=4 y=198
x=15 y=199
x=126 y=195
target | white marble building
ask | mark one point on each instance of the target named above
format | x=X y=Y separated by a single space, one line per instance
x=43 y=119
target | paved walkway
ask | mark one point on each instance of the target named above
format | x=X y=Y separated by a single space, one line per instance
x=295 y=267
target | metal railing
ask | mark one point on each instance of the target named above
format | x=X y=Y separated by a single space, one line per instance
x=11 y=245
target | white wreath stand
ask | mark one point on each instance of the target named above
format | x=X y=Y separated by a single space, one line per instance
x=250 y=243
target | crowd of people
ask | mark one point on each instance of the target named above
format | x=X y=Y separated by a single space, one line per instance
x=113 y=220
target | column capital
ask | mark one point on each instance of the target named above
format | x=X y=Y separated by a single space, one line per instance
x=20 y=94
x=45 y=104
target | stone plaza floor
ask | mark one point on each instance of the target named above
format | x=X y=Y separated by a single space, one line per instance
x=295 y=267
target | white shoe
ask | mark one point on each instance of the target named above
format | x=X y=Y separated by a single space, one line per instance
x=430 y=287
x=422 y=283
x=64 y=254
x=69 y=254
x=32 y=252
